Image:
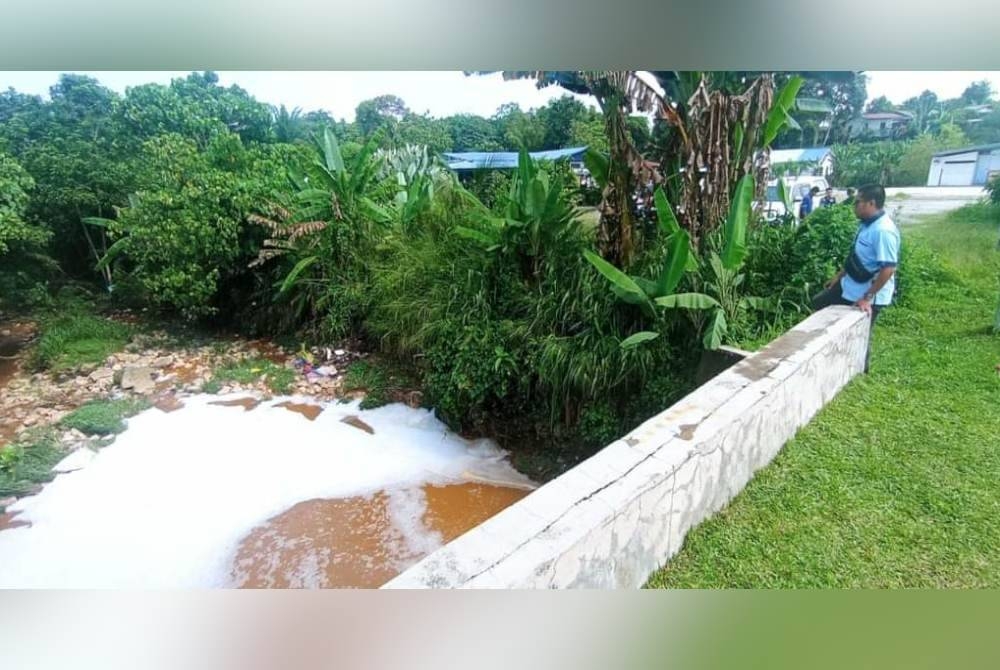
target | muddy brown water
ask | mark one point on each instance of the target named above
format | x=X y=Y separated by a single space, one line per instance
x=168 y=403
x=358 y=423
x=307 y=410
x=353 y=542
x=246 y=403
x=8 y=520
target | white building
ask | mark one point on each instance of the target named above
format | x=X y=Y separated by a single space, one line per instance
x=816 y=161
x=971 y=166
x=880 y=125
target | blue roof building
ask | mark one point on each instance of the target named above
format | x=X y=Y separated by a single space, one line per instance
x=506 y=160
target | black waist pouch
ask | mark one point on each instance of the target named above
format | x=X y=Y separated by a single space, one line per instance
x=855 y=270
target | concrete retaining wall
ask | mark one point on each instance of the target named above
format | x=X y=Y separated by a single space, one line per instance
x=621 y=514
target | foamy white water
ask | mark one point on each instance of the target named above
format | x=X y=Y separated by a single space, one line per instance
x=167 y=503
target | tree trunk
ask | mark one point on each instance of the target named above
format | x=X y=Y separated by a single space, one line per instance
x=708 y=157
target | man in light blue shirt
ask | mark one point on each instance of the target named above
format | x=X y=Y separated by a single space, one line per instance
x=868 y=278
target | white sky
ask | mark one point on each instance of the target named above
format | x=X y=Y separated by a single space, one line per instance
x=443 y=93
x=440 y=93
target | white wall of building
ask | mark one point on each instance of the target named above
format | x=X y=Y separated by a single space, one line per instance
x=953 y=170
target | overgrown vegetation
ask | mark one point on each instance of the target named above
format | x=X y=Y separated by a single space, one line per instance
x=893 y=483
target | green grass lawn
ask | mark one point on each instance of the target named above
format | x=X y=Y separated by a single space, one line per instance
x=896 y=483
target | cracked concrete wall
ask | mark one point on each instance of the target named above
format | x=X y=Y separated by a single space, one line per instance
x=621 y=514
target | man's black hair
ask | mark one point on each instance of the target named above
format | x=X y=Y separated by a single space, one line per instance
x=872 y=192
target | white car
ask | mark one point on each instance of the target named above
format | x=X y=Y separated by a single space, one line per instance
x=796 y=187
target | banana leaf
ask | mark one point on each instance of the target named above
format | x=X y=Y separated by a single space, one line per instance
x=779 y=115
x=638 y=338
x=677 y=263
x=598 y=165
x=615 y=276
x=299 y=268
x=735 y=249
x=665 y=213
x=716 y=331
x=687 y=301
x=331 y=152
x=113 y=251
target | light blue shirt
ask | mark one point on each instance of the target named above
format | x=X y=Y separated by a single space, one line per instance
x=877 y=246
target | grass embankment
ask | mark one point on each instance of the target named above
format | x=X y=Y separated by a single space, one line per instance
x=894 y=483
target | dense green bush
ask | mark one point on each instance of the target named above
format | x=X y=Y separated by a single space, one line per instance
x=600 y=424
x=912 y=167
x=25 y=269
x=820 y=245
x=768 y=250
x=491 y=187
x=182 y=236
x=15 y=188
x=513 y=330
x=868 y=162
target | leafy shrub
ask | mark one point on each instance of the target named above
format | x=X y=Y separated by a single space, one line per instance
x=820 y=245
x=470 y=372
x=491 y=187
x=15 y=187
x=868 y=162
x=912 y=168
x=515 y=343
x=25 y=269
x=768 y=249
x=180 y=238
x=599 y=424
x=323 y=247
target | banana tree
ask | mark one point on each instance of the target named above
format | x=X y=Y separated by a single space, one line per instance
x=719 y=130
x=721 y=295
x=649 y=295
x=418 y=174
x=537 y=220
x=333 y=227
x=721 y=274
x=617 y=92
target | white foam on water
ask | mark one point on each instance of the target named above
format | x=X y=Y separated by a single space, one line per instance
x=406 y=510
x=166 y=505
